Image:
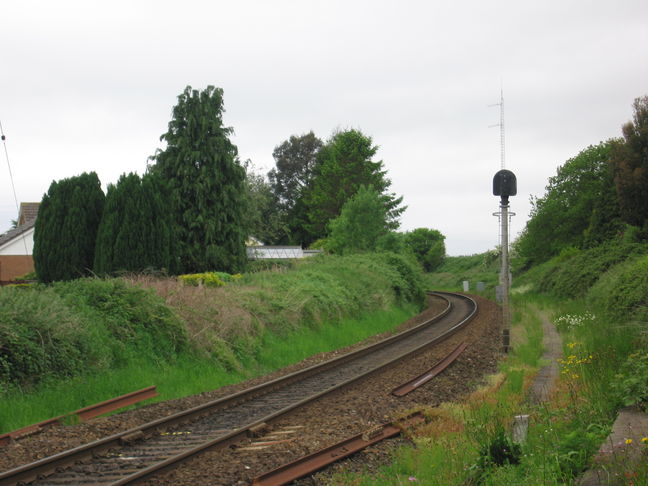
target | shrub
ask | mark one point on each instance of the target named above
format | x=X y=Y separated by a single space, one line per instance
x=40 y=336
x=270 y=264
x=208 y=279
x=623 y=291
x=631 y=384
x=83 y=325
x=574 y=272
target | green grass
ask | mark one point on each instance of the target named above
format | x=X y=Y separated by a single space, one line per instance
x=482 y=267
x=189 y=374
x=563 y=434
x=93 y=339
x=280 y=350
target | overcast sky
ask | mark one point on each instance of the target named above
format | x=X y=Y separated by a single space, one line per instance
x=89 y=86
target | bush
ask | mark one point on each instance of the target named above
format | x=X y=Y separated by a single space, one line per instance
x=275 y=264
x=208 y=279
x=93 y=324
x=82 y=325
x=631 y=384
x=574 y=272
x=623 y=291
x=40 y=336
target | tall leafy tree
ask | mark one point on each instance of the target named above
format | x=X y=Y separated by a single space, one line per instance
x=428 y=245
x=570 y=206
x=66 y=228
x=344 y=164
x=295 y=160
x=630 y=161
x=265 y=221
x=361 y=223
x=136 y=230
x=207 y=182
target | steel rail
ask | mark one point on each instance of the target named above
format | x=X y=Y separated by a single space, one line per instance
x=45 y=466
x=422 y=379
x=172 y=462
x=314 y=462
x=83 y=414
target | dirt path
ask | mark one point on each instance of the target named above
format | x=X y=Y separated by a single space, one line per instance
x=546 y=378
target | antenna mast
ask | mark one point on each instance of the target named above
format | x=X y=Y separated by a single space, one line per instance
x=501 y=127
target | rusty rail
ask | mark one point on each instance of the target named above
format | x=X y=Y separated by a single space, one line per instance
x=82 y=414
x=420 y=380
x=48 y=465
x=316 y=461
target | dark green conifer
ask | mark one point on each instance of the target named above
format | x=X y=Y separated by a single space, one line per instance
x=136 y=229
x=201 y=167
x=66 y=228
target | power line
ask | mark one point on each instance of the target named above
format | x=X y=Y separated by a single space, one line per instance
x=13 y=186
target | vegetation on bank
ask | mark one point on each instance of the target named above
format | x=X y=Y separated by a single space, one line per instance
x=605 y=366
x=481 y=267
x=197 y=205
x=108 y=336
x=582 y=261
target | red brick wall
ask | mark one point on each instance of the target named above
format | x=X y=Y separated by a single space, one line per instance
x=12 y=266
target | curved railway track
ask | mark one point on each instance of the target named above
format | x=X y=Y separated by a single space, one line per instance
x=140 y=453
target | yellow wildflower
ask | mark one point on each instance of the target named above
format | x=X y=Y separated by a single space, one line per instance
x=628 y=441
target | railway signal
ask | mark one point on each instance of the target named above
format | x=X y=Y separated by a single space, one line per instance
x=505 y=185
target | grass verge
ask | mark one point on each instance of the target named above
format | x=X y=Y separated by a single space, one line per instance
x=471 y=443
x=191 y=373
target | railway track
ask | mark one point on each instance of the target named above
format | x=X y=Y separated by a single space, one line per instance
x=140 y=453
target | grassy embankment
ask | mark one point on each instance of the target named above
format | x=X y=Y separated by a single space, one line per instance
x=72 y=344
x=599 y=301
x=483 y=267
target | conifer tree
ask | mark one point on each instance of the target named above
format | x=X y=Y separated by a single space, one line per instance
x=136 y=228
x=201 y=167
x=344 y=164
x=66 y=228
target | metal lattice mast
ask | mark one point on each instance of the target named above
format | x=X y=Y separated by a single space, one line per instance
x=501 y=124
x=501 y=127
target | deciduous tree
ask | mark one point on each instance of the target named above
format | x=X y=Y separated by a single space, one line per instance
x=344 y=164
x=295 y=161
x=361 y=224
x=561 y=218
x=428 y=246
x=630 y=161
x=265 y=221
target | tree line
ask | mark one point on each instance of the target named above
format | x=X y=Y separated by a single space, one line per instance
x=197 y=203
x=597 y=196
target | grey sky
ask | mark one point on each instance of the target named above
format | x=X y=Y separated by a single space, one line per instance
x=89 y=86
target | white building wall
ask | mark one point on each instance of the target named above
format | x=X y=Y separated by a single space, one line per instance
x=17 y=245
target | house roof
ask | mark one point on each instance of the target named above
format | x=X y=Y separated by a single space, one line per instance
x=16 y=232
x=26 y=219
x=28 y=212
